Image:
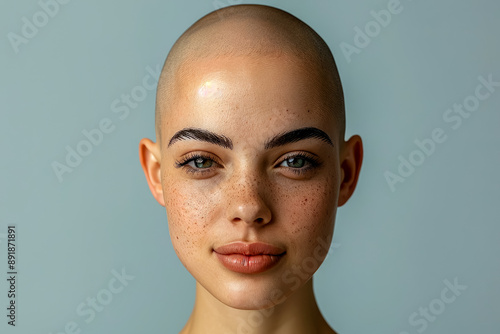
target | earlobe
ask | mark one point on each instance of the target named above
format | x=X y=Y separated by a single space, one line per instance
x=149 y=156
x=350 y=164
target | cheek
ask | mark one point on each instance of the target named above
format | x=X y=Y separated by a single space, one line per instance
x=308 y=214
x=188 y=214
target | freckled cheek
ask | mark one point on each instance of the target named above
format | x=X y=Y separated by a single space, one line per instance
x=188 y=213
x=313 y=207
x=308 y=216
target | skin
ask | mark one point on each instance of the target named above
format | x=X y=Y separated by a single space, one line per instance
x=250 y=193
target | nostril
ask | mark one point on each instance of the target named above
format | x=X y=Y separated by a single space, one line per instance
x=259 y=220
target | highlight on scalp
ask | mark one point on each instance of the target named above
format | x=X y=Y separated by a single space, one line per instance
x=252 y=30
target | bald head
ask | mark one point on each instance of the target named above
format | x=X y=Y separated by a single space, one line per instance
x=252 y=31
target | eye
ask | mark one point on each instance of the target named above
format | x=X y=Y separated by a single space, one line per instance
x=202 y=162
x=300 y=163
x=294 y=162
x=197 y=163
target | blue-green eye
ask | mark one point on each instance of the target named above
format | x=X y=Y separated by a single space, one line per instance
x=295 y=162
x=202 y=162
x=300 y=163
x=197 y=163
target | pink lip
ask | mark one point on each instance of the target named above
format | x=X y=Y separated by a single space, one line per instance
x=251 y=258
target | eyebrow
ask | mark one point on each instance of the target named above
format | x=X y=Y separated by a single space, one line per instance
x=203 y=135
x=297 y=135
x=278 y=140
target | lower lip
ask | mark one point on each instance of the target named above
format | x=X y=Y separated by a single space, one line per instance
x=249 y=264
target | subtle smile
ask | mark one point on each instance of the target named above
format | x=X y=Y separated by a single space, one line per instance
x=248 y=258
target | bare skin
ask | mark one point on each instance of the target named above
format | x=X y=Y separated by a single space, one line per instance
x=243 y=189
x=299 y=314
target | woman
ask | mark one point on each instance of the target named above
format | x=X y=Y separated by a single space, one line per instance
x=251 y=164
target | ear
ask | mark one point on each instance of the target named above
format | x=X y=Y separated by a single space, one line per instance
x=350 y=165
x=149 y=155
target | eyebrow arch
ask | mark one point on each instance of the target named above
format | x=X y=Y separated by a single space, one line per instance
x=297 y=135
x=203 y=135
x=278 y=140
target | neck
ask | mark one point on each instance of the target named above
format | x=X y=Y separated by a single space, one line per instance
x=298 y=314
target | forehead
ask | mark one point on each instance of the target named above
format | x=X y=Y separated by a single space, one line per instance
x=236 y=94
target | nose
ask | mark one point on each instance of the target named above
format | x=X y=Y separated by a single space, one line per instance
x=245 y=202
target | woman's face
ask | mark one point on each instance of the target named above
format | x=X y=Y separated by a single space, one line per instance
x=245 y=187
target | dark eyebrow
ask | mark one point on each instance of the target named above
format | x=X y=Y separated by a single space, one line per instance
x=278 y=140
x=297 y=135
x=203 y=135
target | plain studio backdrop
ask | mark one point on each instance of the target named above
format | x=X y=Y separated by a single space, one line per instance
x=415 y=249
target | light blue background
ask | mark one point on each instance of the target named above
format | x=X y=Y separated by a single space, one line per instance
x=393 y=249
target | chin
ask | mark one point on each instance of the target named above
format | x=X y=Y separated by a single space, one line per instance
x=256 y=295
x=248 y=302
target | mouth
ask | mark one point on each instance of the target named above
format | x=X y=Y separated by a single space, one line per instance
x=249 y=258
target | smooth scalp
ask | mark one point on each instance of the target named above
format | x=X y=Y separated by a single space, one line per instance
x=253 y=31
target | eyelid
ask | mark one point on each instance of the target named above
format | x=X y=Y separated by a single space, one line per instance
x=193 y=156
x=313 y=161
x=311 y=158
x=208 y=156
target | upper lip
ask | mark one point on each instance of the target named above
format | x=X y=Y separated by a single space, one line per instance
x=255 y=248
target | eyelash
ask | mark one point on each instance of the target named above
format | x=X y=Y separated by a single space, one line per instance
x=311 y=162
x=192 y=157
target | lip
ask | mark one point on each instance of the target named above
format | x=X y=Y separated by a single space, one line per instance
x=249 y=258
